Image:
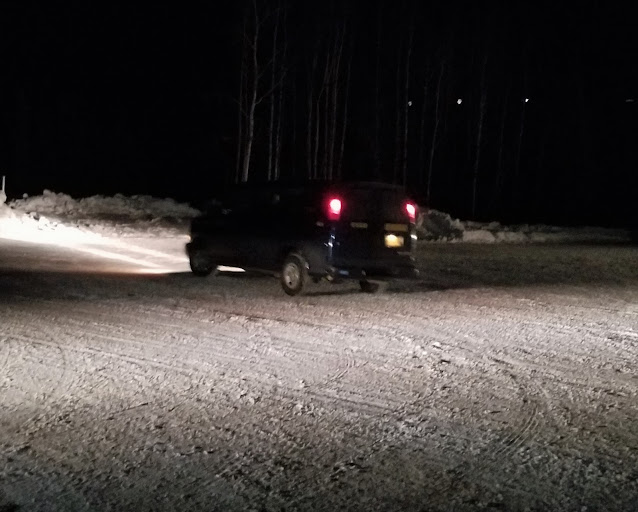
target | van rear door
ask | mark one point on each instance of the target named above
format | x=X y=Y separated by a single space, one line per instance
x=375 y=225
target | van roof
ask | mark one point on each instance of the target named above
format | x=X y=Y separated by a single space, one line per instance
x=317 y=184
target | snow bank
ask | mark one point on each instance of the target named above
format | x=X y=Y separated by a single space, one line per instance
x=6 y=213
x=117 y=215
x=436 y=226
x=16 y=225
x=138 y=207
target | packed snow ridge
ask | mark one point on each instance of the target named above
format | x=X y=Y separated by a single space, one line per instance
x=145 y=215
x=118 y=215
x=138 y=207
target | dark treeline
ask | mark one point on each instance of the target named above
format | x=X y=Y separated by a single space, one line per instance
x=485 y=111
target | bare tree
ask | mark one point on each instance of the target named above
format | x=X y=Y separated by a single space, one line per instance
x=293 y=119
x=398 y=114
x=345 y=112
x=277 y=155
x=273 y=76
x=406 y=104
x=435 y=133
x=479 y=136
x=280 y=105
x=519 y=146
x=422 y=118
x=404 y=54
x=500 y=159
x=311 y=162
x=377 y=105
x=327 y=113
x=335 y=76
x=326 y=102
x=332 y=88
x=252 y=98
x=252 y=80
x=320 y=121
x=240 y=110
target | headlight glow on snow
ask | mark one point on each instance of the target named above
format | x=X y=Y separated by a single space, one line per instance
x=143 y=260
x=223 y=268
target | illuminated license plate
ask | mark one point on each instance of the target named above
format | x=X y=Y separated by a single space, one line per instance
x=393 y=240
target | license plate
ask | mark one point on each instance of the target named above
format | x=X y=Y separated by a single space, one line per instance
x=393 y=240
x=401 y=228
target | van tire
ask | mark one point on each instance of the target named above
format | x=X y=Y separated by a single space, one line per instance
x=201 y=264
x=368 y=286
x=294 y=274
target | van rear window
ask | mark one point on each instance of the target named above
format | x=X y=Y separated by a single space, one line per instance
x=370 y=204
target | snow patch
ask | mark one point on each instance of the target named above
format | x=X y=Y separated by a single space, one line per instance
x=137 y=207
x=480 y=236
x=437 y=226
x=118 y=215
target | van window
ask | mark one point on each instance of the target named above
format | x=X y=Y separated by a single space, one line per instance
x=373 y=204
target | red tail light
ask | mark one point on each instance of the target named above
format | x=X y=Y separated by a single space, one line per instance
x=334 y=208
x=410 y=209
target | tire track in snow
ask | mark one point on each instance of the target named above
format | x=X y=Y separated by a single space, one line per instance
x=525 y=422
x=6 y=351
x=48 y=385
x=313 y=343
x=535 y=419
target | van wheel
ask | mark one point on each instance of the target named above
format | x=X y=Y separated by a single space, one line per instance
x=201 y=264
x=294 y=274
x=368 y=287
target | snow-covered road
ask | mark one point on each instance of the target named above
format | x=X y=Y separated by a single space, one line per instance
x=506 y=379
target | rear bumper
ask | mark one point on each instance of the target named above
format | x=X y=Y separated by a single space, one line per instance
x=375 y=265
x=382 y=271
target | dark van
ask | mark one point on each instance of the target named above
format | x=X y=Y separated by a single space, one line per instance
x=317 y=230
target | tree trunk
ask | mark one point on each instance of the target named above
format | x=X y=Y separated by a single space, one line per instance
x=323 y=115
x=498 y=183
x=398 y=113
x=519 y=146
x=479 y=135
x=253 y=98
x=334 y=100
x=345 y=112
x=421 y=158
x=293 y=145
x=315 y=163
x=326 y=118
x=276 y=170
x=272 y=99
x=240 y=108
x=435 y=133
x=406 y=107
x=311 y=110
x=377 y=107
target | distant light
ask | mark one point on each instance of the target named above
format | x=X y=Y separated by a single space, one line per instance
x=629 y=100
x=526 y=100
x=459 y=101
x=409 y=103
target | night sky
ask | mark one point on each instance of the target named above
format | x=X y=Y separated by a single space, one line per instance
x=108 y=97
